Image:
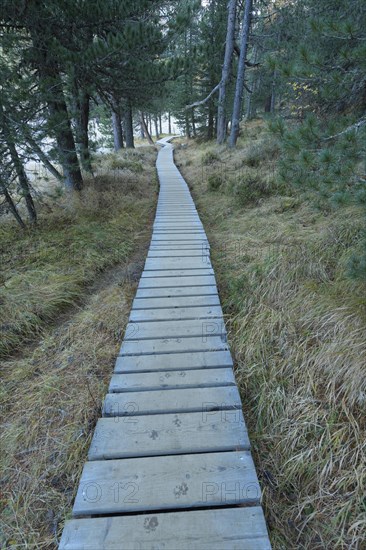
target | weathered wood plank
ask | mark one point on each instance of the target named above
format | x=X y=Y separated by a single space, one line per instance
x=172 y=345
x=181 y=313
x=177 y=273
x=167 y=482
x=176 y=329
x=172 y=401
x=177 y=263
x=177 y=253
x=168 y=434
x=173 y=361
x=171 y=282
x=146 y=381
x=176 y=292
x=224 y=529
x=176 y=302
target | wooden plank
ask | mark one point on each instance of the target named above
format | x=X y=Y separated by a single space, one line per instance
x=167 y=482
x=172 y=345
x=203 y=328
x=172 y=253
x=170 y=282
x=160 y=380
x=168 y=434
x=176 y=292
x=173 y=361
x=172 y=401
x=224 y=529
x=177 y=263
x=175 y=302
x=181 y=313
x=177 y=272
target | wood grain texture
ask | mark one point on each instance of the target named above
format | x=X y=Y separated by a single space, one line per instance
x=167 y=434
x=167 y=482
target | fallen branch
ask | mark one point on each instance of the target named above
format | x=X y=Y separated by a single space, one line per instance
x=197 y=103
x=355 y=127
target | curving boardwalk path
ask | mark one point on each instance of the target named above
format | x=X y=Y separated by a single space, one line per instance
x=169 y=465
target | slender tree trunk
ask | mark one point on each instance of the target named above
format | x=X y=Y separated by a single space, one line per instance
x=239 y=88
x=83 y=131
x=13 y=209
x=169 y=124
x=188 y=129
x=210 y=123
x=146 y=131
x=193 y=124
x=117 y=130
x=23 y=182
x=43 y=158
x=128 y=125
x=156 y=127
x=160 y=125
x=18 y=165
x=226 y=68
x=252 y=86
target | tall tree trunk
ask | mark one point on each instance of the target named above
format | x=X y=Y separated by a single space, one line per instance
x=53 y=94
x=193 y=124
x=128 y=125
x=156 y=127
x=82 y=131
x=239 y=88
x=160 y=125
x=169 y=124
x=249 y=112
x=117 y=130
x=210 y=122
x=13 y=209
x=188 y=129
x=226 y=68
x=60 y=122
x=146 y=131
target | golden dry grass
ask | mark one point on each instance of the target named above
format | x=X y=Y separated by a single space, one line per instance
x=297 y=329
x=53 y=388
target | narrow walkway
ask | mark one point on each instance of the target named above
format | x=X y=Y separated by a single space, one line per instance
x=169 y=465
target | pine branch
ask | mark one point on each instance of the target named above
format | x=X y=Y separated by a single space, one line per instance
x=197 y=103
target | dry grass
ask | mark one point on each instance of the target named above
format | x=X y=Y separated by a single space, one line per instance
x=52 y=391
x=45 y=271
x=297 y=329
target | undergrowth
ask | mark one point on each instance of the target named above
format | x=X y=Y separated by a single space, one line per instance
x=45 y=270
x=297 y=330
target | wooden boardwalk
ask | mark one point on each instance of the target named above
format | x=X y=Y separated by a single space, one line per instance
x=170 y=464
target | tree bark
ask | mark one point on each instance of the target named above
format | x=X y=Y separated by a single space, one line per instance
x=239 y=88
x=144 y=127
x=160 y=125
x=128 y=125
x=82 y=130
x=226 y=68
x=117 y=130
x=169 y=124
x=252 y=87
x=156 y=127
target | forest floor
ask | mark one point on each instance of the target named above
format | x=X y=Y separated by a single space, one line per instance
x=66 y=291
x=297 y=325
